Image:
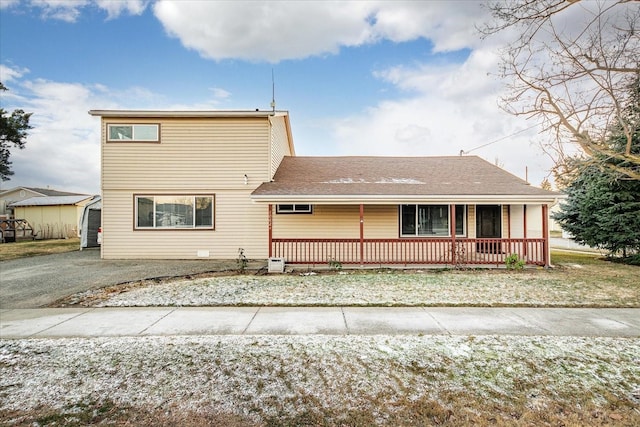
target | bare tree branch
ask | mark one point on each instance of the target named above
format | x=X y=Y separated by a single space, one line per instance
x=570 y=70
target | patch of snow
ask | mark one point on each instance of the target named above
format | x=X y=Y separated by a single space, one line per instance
x=267 y=375
x=399 y=181
x=388 y=288
x=411 y=181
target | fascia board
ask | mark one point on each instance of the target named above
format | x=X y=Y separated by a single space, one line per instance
x=383 y=199
x=187 y=114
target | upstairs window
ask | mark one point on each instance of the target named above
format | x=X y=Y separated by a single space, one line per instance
x=293 y=209
x=141 y=133
x=180 y=211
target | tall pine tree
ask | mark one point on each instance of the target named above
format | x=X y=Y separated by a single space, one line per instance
x=603 y=206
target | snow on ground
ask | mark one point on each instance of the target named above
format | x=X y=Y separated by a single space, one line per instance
x=492 y=288
x=270 y=377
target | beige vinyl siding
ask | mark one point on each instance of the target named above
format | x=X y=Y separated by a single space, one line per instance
x=338 y=222
x=471 y=221
x=280 y=146
x=534 y=221
x=381 y=222
x=517 y=221
x=199 y=154
x=195 y=156
x=505 y=221
x=238 y=224
x=326 y=221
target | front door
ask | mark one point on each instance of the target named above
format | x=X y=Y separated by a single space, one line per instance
x=488 y=221
x=488 y=226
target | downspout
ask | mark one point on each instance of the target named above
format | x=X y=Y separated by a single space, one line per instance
x=524 y=235
x=453 y=234
x=361 y=235
x=545 y=234
x=270 y=226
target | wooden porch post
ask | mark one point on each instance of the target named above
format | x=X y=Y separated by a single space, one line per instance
x=453 y=234
x=524 y=231
x=361 y=234
x=270 y=231
x=545 y=235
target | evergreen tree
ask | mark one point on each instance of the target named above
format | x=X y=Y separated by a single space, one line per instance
x=13 y=131
x=603 y=205
x=603 y=211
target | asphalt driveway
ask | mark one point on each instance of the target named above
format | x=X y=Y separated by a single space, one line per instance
x=38 y=281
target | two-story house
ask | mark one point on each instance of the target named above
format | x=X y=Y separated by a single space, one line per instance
x=203 y=184
x=177 y=184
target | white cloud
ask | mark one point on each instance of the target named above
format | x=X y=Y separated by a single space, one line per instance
x=116 y=8
x=71 y=10
x=449 y=109
x=8 y=74
x=279 y=30
x=63 y=148
x=8 y=3
x=63 y=10
x=219 y=93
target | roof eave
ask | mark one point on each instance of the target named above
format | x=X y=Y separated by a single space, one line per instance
x=185 y=113
x=400 y=199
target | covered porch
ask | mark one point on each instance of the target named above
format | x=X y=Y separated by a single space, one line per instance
x=483 y=243
x=403 y=211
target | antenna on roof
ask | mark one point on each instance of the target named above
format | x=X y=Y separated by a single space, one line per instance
x=273 y=92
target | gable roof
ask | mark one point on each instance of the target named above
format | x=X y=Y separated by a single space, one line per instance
x=41 y=191
x=396 y=179
x=51 y=200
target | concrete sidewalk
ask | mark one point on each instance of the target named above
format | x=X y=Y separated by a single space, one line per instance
x=102 y=322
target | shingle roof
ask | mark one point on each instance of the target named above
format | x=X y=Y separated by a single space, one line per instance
x=48 y=192
x=395 y=177
x=51 y=200
x=42 y=191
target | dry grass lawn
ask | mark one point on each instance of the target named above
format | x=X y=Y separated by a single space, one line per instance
x=339 y=380
x=29 y=248
x=576 y=281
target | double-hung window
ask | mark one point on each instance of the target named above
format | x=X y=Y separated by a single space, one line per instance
x=174 y=211
x=133 y=132
x=430 y=220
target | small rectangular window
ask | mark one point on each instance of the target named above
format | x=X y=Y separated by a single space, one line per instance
x=293 y=209
x=169 y=211
x=133 y=133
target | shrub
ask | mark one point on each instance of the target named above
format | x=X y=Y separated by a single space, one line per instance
x=514 y=262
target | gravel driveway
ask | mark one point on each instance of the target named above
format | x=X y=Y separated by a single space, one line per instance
x=39 y=281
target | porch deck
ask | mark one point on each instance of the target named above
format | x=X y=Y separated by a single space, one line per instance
x=445 y=251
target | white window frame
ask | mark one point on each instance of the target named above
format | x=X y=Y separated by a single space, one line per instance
x=154 y=212
x=296 y=208
x=416 y=234
x=133 y=138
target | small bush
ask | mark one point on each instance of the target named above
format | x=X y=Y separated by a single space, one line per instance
x=242 y=260
x=514 y=262
x=335 y=265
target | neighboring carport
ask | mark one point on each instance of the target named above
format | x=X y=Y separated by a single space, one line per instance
x=90 y=222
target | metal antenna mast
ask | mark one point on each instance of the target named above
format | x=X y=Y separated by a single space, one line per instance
x=273 y=92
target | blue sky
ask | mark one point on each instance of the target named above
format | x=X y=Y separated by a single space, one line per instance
x=358 y=78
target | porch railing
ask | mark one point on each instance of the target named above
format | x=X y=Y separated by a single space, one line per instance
x=458 y=252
